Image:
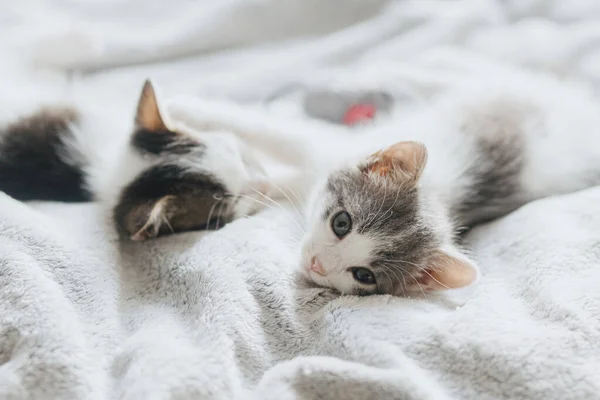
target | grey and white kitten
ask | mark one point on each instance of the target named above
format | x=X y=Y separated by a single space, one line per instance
x=390 y=223
x=385 y=208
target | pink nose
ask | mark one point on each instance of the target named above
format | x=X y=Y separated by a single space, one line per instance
x=315 y=266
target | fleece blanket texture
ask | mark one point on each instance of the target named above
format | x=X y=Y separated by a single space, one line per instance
x=223 y=315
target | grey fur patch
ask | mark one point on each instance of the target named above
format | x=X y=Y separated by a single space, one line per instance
x=495 y=175
x=392 y=214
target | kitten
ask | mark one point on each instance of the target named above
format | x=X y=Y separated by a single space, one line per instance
x=390 y=223
x=384 y=214
x=160 y=180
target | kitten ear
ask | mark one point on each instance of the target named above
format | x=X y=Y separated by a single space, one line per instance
x=154 y=216
x=403 y=160
x=447 y=269
x=148 y=115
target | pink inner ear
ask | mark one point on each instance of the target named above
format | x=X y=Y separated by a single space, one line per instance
x=403 y=160
x=148 y=113
x=448 y=272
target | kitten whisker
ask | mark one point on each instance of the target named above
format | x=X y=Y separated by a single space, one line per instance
x=212 y=209
x=288 y=214
x=432 y=277
x=418 y=284
x=389 y=278
x=166 y=221
x=395 y=271
x=404 y=262
x=401 y=269
x=286 y=196
x=383 y=217
x=219 y=216
x=404 y=285
x=403 y=279
x=255 y=200
x=275 y=202
x=300 y=201
x=389 y=210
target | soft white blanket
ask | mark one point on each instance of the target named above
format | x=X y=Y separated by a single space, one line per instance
x=222 y=315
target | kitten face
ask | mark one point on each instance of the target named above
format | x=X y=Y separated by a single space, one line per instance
x=370 y=230
x=183 y=180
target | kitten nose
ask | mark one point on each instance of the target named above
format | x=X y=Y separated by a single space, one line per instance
x=315 y=266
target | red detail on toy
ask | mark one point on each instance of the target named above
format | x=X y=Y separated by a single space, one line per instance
x=359 y=113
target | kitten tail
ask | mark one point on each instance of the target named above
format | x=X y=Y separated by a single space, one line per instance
x=39 y=158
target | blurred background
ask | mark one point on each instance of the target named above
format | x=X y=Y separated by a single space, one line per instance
x=260 y=50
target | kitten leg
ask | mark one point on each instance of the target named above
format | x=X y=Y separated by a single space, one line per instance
x=257 y=131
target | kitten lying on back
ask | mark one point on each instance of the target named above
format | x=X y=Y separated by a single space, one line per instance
x=159 y=180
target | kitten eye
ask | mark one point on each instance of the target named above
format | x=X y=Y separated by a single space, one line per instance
x=341 y=224
x=363 y=275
